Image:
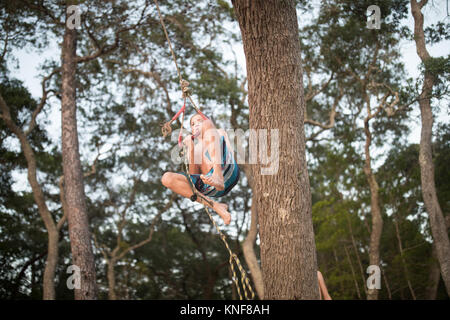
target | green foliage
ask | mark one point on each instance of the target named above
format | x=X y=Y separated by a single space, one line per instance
x=438 y=67
x=441 y=150
x=437 y=33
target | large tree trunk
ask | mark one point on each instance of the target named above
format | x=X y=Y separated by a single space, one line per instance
x=283 y=200
x=437 y=221
x=80 y=237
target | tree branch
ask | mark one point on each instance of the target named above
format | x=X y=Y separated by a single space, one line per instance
x=331 y=120
x=36 y=112
x=103 y=249
x=157 y=77
x=43 y=9
x=2 y=57
x=422 y=3
x=349 y=70
x=151 y=231
x=106 y=49
x=312 y=93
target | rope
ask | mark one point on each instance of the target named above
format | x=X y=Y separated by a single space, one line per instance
x=245 y=282
x=166 y=129
x=168 y=40
x=184 y=84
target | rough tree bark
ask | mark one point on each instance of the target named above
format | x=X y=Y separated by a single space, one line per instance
x=437 y=220
x=283 y=200
x=79 y=233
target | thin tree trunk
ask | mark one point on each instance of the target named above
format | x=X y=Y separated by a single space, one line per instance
x=435 y=272
x=336 y=259
x=250 y=256
x=111 y=280
x=21 y=275
x=53 y=234
x=377 y=221
x=434 y=276
x=39 y=198
x=33 y=279
x=405 y=267
x=283 y=200
x=355 y=249
x=112 y=257
x=353 y=273
x=127 y=282
x=80 y=236
x=437 y=221
x=386 y=283
x=208 y=288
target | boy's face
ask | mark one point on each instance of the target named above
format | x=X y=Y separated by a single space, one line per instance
x=196 y=125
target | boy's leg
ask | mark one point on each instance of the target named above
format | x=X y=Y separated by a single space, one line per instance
x=178 y=183
x=212 y=138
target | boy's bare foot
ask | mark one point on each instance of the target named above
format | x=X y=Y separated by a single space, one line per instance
x=215 y=180
x=221 y=210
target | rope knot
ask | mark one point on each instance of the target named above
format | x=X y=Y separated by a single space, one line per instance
x=185 y=88
x=166 y=129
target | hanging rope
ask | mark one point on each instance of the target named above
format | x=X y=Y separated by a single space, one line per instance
x=166 y=130
x=245 y=282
